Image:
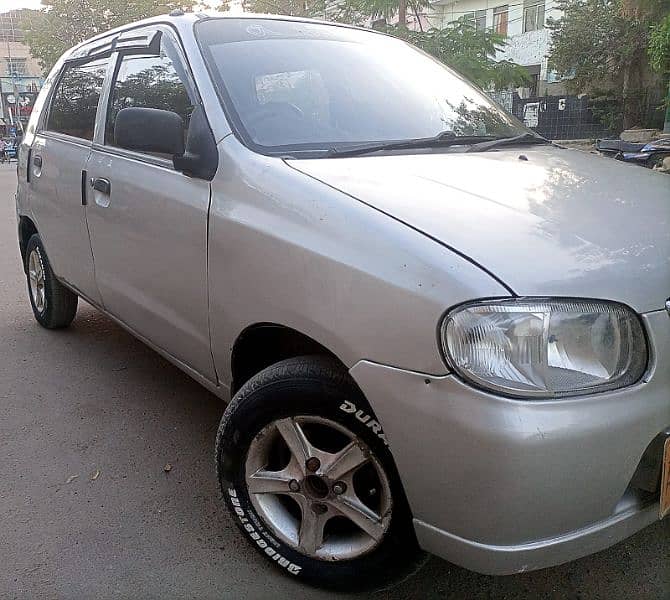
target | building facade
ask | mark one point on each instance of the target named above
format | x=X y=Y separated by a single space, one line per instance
x=521 y=22
x=21 y=77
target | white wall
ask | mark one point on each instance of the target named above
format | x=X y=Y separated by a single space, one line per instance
x=530 y=48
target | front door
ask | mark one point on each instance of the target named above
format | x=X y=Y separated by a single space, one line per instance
x=148 y=222
x=57 y=170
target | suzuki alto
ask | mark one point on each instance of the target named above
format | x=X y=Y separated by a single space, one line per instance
x=435 y=329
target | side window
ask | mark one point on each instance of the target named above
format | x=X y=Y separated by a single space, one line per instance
x=149 y=82
x=75 y=99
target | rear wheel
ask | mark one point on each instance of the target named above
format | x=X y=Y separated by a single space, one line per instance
x=305 y=470
x=54 y=306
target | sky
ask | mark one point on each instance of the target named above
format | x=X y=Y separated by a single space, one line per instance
x=6 y=5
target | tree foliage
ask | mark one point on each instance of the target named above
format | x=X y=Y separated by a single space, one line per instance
x=602 y=46
x=354 y=12
x=382 y=9
x=292 y=8
x=61 y=24
x=659 y=47
x=469 y=51
x=459 y=45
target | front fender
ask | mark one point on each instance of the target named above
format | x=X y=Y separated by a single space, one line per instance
x=287 y=249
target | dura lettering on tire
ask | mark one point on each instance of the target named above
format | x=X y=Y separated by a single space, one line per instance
x=300 y=452
x=350 y=408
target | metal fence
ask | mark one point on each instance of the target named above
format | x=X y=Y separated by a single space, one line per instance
x=580 y=117
x=555 y=117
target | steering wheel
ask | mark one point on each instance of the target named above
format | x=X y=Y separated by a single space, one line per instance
x=274 y=117
x=274 y=110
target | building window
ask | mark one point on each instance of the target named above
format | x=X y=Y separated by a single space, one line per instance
x=500 y=19
x=477 y=19
x=10 y=29
x=533 y=87
x=533 y=15
x=16 y=67
x=480 y=20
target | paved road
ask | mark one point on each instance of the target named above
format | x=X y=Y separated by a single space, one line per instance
x=93 y=399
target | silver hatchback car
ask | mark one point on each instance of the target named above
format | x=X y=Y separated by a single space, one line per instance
x=438 y=330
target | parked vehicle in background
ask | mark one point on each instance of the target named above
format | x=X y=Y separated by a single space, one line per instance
x=647 y=154
x=11 y=150
x=437 y=330
x=8 y=149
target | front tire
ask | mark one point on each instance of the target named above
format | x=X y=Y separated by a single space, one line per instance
x=54 y=306
x=306 y=473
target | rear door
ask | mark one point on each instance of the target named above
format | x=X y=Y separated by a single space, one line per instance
x=148 y=222
x=57 y=167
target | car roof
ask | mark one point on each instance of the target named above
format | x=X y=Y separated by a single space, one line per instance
x=183 y=22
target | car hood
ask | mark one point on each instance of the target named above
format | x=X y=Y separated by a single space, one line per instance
x=545 y=220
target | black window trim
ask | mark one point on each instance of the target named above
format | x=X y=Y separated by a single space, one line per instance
x=42 y=126
x=173 y=36
x=139 y=44
x=85 y=54
x=75 y=57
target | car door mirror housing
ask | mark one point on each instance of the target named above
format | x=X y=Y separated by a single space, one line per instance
x=154 y=130
x=201 y=157
x=149 y=130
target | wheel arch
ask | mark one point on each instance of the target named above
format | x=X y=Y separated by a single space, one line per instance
x=27 y=229
x=262 y=344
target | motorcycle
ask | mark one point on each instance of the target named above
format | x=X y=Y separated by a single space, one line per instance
x=650 y=154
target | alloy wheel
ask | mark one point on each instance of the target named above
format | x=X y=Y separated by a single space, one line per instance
x=318 y=487
x=36 y=280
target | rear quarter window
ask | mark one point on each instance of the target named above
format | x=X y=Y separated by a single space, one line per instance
x=75 y=100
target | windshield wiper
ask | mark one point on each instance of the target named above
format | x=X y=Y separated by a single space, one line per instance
x=524 y=138
x=446 y=138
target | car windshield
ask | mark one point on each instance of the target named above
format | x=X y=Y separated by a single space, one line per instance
x=291 y=86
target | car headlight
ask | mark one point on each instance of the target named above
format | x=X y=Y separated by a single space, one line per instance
x=541 y=347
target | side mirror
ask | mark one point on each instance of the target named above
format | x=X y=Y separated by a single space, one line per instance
x=149 y=130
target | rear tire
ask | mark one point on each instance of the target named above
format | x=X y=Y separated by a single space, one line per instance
x=315 y=397
x=54 y=306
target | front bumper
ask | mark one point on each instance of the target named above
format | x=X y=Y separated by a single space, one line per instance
x=501 y=486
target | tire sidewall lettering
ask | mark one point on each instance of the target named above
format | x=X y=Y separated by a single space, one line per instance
x=311 y=386
x=249 y=528
x=368 y=420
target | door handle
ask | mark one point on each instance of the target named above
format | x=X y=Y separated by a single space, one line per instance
x=37 y=160
x=84 y=199
x=102 y=185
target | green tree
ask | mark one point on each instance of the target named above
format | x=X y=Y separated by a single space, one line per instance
x=459 y=45
x=331 y=10
x=345 y=11
x=292 y=8
x=659 y=56
x=602 y=46
x=468 y=50
x=385 y=9
x=61 y=24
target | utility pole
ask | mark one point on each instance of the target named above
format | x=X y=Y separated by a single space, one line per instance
x=15 y=118
x=666 y=129
x=402 y=13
